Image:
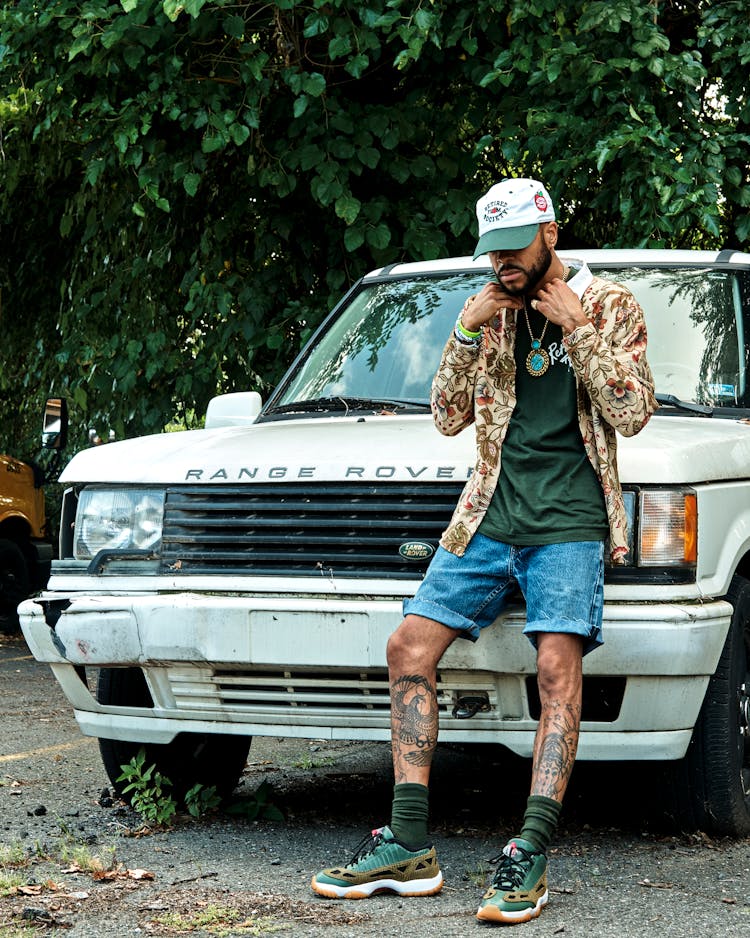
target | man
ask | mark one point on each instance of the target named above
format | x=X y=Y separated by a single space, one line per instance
x=546 y=361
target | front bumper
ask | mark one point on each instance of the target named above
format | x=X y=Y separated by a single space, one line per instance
x=315 y=667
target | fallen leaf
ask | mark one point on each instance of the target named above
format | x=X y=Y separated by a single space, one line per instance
x=120 y=873
x=36 y=889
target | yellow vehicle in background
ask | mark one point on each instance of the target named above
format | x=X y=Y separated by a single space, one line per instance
x=25 y=545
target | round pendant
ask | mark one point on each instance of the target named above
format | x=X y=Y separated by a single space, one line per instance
x=537 y=362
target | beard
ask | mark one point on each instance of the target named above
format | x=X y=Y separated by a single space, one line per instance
x=534 y=274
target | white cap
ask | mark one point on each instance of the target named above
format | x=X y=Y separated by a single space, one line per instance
x=509 y=215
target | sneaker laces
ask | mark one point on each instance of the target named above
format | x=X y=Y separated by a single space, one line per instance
x=366 y=846
x=513 y=864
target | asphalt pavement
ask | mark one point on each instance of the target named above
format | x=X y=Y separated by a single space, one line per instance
x=76 y=859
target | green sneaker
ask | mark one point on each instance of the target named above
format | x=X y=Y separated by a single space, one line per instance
x=518 y=891
x=382 y=864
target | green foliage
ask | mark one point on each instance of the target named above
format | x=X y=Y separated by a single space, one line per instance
x=148 y=791
x=186 y=187
x=257 y=806
x=82 y=858
x=221 y=921
x=201 y=800
x=12 y=855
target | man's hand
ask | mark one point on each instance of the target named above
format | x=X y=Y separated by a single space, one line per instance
x=488 y=303
x=560 y=305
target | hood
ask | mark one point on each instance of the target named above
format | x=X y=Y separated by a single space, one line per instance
x=321 y=448
x=685 y=450
x=669 y=450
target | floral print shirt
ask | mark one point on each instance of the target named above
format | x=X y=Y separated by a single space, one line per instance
x=615 y=391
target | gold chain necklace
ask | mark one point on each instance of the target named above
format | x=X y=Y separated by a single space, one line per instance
x=537 y=361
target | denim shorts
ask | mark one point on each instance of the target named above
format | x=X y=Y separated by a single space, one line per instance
x=563 y=585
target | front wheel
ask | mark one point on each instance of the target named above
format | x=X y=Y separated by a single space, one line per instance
x=711 y=785
x=14 y=584
x=208 y=759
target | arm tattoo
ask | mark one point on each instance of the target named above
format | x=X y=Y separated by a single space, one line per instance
x=414 y=714
x=553 y=763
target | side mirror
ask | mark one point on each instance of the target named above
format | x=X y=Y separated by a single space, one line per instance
x=55 y=424
x=233 y=410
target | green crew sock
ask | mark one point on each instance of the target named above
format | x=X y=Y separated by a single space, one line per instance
x=409 y=814
x=540 y=821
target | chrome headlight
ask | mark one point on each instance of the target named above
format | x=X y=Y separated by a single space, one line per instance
x=117 y=519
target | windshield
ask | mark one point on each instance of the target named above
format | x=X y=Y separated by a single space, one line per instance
x=386 y=344
x=696 y=332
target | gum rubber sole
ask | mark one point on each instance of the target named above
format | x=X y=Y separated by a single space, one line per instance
x=413 y=888
x=491 y=913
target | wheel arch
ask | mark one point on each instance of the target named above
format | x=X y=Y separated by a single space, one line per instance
x=743 y=566
x=709 y=788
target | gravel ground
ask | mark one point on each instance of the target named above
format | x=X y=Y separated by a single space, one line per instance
x=616 y=867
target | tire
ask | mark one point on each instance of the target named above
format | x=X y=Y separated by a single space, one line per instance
x=711 y=785
x=191 y=758
x=14 y=584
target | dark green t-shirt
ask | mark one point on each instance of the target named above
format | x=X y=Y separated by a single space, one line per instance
x=548 y=491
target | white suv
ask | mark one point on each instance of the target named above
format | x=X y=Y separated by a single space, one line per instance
x=243 y=579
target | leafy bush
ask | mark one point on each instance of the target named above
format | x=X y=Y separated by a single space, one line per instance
x=185 y=188
x=148 y=791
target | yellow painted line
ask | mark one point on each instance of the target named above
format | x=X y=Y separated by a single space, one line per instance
x=22 y=658
x=47 y=750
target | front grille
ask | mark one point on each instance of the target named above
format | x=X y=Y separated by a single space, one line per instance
x=339 y=691
x=257 y=690
x=366 y=693
x=336 y=529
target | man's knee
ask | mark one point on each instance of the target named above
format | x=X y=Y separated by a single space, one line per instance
x=559 y=666
x=418 y=644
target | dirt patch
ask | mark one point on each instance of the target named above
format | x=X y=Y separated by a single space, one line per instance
x=170 y=912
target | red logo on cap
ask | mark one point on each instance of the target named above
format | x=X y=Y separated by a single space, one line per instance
x=541 y=202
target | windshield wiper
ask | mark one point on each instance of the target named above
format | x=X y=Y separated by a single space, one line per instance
x=345 y=403
x=689 y=406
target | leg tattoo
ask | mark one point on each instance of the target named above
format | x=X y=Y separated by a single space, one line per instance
x=414 y=715
x=555 y=748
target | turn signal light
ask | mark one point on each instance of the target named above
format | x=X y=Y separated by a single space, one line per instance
x=668 y=527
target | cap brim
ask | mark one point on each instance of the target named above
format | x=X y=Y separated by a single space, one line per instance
x=506 y=239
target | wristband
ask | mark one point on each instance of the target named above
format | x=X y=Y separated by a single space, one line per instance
x=459 y=336
x=464 y=337
x=465 y=332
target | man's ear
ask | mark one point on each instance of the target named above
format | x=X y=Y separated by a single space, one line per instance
x=550 y=234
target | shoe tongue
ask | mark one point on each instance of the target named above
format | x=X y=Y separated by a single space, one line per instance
x=512 y=848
